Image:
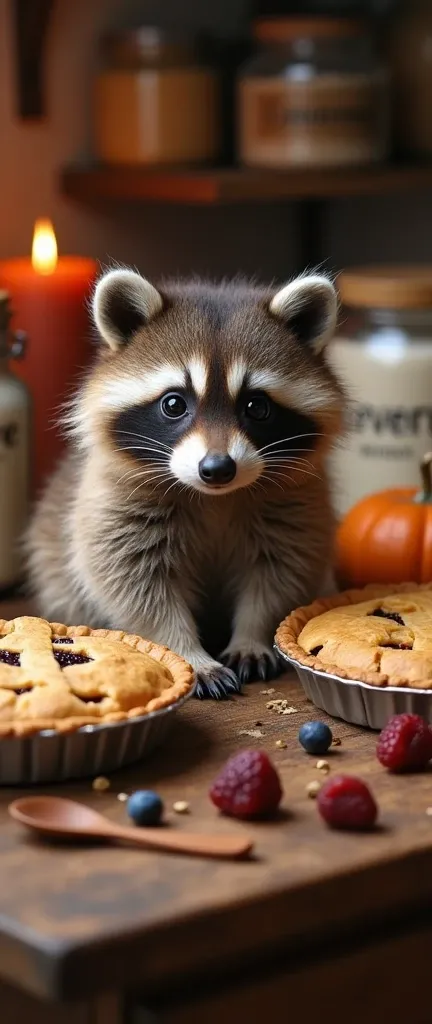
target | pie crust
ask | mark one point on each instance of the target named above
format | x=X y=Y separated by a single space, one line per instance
x=116 y=676
x=344 y=636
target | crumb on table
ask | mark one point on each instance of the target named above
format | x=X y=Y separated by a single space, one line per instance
x=181 y=807
x=101 y=783
x=313 y=788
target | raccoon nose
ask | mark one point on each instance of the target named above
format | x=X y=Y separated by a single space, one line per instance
x=217 y=469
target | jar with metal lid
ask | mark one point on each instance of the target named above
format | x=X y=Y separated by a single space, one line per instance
x=154 y=101
x=383 y=352
x=14 y=450
x=315 y=95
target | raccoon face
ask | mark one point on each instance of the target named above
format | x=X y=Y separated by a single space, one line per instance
x=213 y=387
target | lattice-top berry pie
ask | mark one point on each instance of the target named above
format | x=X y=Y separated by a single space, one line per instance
x=62 y=677
x=379 y=635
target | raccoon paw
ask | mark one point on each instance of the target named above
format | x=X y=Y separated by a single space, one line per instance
x=258 y=664
x=216 y=683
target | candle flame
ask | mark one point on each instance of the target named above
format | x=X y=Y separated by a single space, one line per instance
x=44 y=248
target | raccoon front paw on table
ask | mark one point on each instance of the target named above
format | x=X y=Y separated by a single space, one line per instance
x=216 y=682
x=256 y=664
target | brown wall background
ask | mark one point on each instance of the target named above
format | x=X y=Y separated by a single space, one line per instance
x=259 y=241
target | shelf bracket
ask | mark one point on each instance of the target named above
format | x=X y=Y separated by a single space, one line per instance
x=30 y=24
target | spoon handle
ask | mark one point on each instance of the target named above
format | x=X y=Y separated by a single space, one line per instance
x=198 y=844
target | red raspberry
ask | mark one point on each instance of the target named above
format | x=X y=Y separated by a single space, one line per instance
x=248 y=786
x=405 y=744
x=346 y=802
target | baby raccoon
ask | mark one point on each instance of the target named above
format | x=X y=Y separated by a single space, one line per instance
x=194 y=506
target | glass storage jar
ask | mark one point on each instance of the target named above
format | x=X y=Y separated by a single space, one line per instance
x=315 y=95
x=14 y=451
x=154 y=102
x=384 y=354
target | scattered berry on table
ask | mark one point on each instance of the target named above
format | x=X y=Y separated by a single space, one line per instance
x=323 y=766
x=346 y=802
x=248 y=786
x=100 y=784
x=313 y=788
x=181 y=807
x=405 y=744
x=145 y=807
x=315 y=737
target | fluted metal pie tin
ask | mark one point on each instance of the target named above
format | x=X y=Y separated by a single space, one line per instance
x=92 y=750
x=357 y=702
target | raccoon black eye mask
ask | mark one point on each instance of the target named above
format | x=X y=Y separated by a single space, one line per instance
x=150 y=431
x=196 y=496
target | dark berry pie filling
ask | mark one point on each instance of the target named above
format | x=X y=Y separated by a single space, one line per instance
x=66 y=658
x=379 y=613
x=89 y=700
x=9 y=658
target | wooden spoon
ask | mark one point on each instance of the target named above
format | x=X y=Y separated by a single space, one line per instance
x=55 y=815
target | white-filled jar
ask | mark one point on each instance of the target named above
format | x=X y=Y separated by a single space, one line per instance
x=14 y=452
x=384 y=354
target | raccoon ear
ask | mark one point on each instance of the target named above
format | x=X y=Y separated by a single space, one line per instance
x=123 y=301
x=308 y=306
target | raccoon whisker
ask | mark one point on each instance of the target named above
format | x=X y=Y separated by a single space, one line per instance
x=258 y=483
x=296 y=437
x=145 y=482
x=146 y=472
x=300 y=465
x=281 y=457
x=142 y=448
x=299 y=469
x=266 y=476
x=149 y=484
x=175 y=482
x=144 y=437
x=285 y=453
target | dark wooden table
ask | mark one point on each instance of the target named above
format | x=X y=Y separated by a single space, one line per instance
x=320 y=924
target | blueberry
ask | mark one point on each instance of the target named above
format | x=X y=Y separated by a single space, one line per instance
x=315 y=737
x=145 y=807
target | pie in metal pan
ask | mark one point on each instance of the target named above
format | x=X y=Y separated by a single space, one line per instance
x=77 y=701
x=364 y=655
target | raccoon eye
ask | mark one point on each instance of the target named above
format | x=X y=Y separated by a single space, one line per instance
x=174 y=406
x=258 y=407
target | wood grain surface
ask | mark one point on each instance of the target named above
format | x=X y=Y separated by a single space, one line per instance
x=78 y=920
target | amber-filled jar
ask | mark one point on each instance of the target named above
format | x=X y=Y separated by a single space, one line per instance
x=314 y=95
x=154 y=101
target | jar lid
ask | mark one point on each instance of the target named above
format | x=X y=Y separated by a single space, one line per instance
x=146 y=42
x=280 y=30
x=387 y=287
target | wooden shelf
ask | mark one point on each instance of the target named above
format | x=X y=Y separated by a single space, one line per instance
x=219 y=185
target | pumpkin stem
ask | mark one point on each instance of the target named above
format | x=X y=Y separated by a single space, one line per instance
x=425 y=495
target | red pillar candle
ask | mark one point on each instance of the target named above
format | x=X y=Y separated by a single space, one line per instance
x=49 y=298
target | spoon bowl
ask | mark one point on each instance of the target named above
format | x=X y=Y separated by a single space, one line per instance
x=58 y=816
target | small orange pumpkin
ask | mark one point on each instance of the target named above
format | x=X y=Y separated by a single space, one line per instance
x=387 y=537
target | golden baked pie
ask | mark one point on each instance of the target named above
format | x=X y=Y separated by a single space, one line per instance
x=379 y=635
x=62 y=677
